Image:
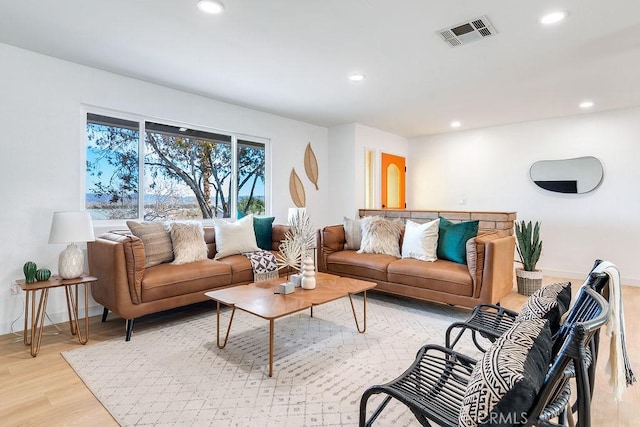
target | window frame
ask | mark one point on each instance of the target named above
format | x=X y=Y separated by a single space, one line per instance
x=141 y=120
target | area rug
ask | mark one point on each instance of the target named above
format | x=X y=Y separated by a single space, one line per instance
x=173 y=373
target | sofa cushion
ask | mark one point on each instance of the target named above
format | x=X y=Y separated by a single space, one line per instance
x=442 y=276
x=420 y=240
x=366 y=266
x=262 y=228
x=156 y=240
x=233 y=238
x=241 y=270
x=452 y=239
x=188 y=242
x=506 y=380
x=381 y=236
x=352 y=233
x=169 y=280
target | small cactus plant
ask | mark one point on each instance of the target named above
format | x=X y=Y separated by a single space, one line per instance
x=529 y=244
x=29 y=270
x=43 y=274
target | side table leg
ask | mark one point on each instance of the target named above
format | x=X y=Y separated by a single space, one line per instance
x=364 y=324
x=72 y=308
x=36 y=319
x=28 y=311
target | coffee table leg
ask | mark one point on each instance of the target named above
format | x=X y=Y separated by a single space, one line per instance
x=233 y=311
x=270 y=347
x=364 y=324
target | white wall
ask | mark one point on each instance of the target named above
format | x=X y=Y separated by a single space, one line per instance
x=347 y=145
x=487 y=169
x=42 y=169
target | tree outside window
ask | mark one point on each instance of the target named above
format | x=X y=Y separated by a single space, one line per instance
x=187 y=174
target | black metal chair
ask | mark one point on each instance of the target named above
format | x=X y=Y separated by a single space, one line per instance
x=491 y=321
x=434 y=385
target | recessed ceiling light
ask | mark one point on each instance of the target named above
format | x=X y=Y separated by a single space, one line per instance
x=553 y=18
x=357 y=77
x=182 y=129
x=586 y=104
x=211 y=6
x=455 y=124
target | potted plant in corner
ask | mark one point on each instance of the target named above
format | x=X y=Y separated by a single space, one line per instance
x=529 y=247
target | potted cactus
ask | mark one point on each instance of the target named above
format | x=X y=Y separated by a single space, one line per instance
x=529 y=248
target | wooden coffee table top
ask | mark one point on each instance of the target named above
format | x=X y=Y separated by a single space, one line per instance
x=262 y=299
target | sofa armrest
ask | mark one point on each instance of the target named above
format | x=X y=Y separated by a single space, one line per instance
x=329 y=240
x=118 y=262
x=493 y=273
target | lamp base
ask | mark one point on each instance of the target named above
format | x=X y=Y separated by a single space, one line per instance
x=71 y=262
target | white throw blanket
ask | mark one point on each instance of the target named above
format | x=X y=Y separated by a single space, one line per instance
x=618 y=365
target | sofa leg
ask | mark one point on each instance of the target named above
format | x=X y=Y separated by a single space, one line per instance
x=105 y=312
x=129 y=329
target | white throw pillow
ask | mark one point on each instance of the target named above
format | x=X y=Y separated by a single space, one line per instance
x=380 y=236
x=188 y=242
x=421 y=240
x=235 y=237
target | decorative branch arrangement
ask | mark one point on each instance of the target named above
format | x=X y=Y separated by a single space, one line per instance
x=298 y=242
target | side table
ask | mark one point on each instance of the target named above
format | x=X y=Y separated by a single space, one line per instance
x=34 y=338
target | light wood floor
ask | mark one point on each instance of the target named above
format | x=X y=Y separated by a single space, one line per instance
x=46 y=391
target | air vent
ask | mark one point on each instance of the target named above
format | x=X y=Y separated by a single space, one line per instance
x=467 y=32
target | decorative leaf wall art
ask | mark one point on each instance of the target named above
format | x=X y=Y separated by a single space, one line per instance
x=311 y=165
x=296 y=189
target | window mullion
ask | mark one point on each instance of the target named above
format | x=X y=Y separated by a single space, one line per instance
x=233 y=194
x=141 y=182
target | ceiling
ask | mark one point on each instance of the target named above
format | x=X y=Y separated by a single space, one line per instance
x=293 y=57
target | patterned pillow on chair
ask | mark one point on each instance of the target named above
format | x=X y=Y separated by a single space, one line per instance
x=559 y=291
x=506 y=380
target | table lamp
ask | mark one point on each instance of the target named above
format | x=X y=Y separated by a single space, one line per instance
x=71 y=227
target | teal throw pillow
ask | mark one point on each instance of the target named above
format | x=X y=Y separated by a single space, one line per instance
x=452 y=239
x=262 y=228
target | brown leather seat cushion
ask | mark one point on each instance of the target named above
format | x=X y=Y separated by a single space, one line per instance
x=369 y=266
x=167 y=280
x=441 y=275
x=241 y=270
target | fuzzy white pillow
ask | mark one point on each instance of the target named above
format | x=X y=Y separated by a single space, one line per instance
x=380 y=236
x=188 y=242
x=421 y=240
x=235 y=237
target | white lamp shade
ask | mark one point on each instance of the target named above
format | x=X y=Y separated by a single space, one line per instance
x=69 y=227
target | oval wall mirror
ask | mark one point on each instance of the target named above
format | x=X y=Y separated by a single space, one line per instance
x=579 y=175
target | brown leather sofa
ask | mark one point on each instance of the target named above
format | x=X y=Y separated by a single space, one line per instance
x=130 y=290
x=487 y=277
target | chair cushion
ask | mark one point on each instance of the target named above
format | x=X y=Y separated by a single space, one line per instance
x=506 y=380
x=559 y=291
x=549 y=302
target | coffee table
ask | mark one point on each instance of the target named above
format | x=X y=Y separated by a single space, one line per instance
x=263 y=300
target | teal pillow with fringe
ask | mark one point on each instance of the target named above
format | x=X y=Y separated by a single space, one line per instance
x=452 y=239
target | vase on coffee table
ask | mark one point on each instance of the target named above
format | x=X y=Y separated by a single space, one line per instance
x=308 y=274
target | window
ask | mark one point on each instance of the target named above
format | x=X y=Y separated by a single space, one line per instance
x=186 y=173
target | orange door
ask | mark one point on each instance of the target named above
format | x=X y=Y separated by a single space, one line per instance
x=393 y=176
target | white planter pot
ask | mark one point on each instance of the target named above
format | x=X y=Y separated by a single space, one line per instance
x=528 y=281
